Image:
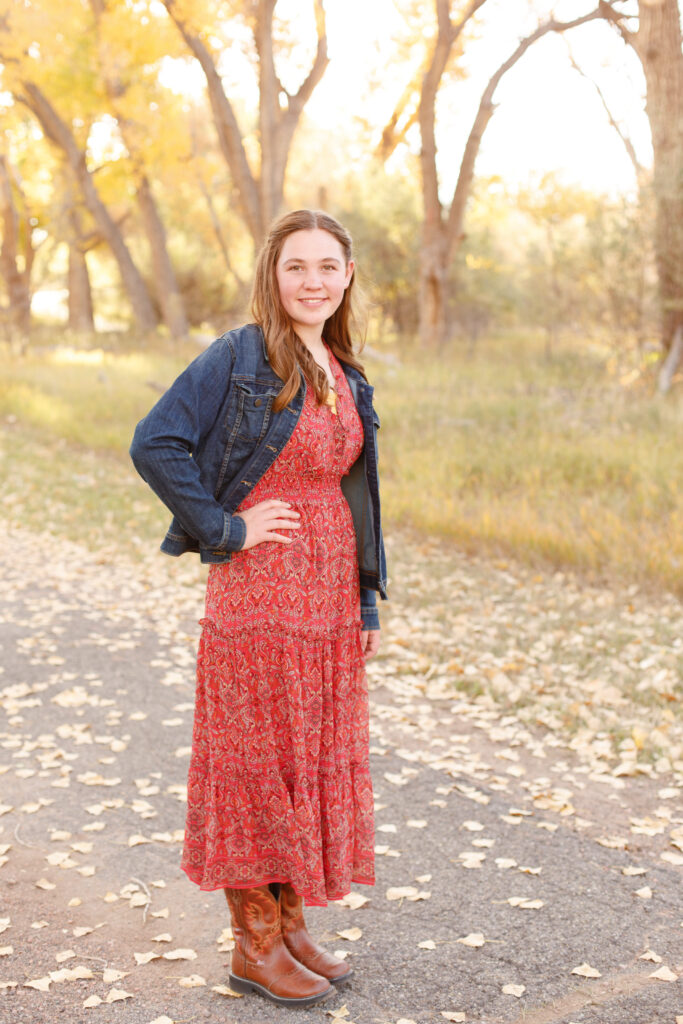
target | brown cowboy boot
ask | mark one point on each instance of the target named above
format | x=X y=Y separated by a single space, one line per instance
x=260 y=960
x=301 y=945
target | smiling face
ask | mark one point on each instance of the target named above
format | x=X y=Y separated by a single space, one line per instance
x=312 y=276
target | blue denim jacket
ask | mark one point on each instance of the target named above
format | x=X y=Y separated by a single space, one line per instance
x=212 y=436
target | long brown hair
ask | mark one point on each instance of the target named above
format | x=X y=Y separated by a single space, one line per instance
x=286 y=351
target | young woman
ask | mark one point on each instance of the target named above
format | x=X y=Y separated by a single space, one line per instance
x=265 y=451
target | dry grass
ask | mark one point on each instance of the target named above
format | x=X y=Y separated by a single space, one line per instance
x=554 y=463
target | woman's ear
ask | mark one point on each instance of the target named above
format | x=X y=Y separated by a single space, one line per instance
x=350 y=267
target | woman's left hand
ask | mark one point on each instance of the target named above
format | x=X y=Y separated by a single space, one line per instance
x=369 y=640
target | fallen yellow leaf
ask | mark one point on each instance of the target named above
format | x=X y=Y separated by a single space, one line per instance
x=180 y=954
x=116 y=995
x=664 y=973
x=144 y=958
x=514 y=990
x=586 y=971
x=354 y=900
x=223 y=990
x=401 y=892
x=137 y=840
x=110 y=975
x=42 y=984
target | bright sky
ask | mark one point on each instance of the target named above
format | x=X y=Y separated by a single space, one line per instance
x=549 y=118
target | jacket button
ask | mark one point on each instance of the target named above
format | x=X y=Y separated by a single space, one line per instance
x=258 y=401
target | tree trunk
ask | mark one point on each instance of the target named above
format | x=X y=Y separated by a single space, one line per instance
x=58 y=132
x=79 y=300
x=165 y=282
x=259 y=198
x=671 y=363
x=17 y=278
x=434 y=244
x=443 y=232
x=433 y=292
x=658 y=44
x=80 y=304
x=269 y=113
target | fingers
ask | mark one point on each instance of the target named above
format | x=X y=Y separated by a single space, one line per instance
x=286 y=511
x=284 y=506
x=278 y=537
x=267 y=519
x=369 y=639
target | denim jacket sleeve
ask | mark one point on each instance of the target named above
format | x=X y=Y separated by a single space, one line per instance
x=368 y=608
x=165 y=440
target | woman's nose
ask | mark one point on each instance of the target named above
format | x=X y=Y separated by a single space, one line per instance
x=312 y=280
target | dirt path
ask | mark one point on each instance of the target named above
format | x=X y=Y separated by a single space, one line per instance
x=502 y=803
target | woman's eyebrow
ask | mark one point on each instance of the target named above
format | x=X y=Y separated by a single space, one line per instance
x=327 y=259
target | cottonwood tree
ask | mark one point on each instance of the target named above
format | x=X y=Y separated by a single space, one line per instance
x=443 y=225
x=27 y=171
x=57 y=130
x=654 y=33
x=17 y=250
x=50 y=66
x=131 y=93
x=258 y=189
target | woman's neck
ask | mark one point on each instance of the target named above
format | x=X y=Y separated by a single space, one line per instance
x=313 y=342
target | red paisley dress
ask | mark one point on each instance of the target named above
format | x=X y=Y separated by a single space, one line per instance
x=279 y=782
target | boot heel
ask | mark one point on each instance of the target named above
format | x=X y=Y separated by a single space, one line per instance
x=240 y=984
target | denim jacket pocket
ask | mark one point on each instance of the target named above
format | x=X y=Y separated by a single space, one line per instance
x=246 y=423
x=254 y=404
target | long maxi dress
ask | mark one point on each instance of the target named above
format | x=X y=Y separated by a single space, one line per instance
x=279 y=784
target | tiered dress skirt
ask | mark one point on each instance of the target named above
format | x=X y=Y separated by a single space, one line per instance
x=279 y=785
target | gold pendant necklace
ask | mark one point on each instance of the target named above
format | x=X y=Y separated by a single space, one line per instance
x=331 y=400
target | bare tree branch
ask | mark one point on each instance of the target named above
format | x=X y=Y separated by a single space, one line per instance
x=259 y=196
x=392 y=135
x=610 y=13
x=448 y=33
x=227 y=128
x=297 y=102
x=446 y=38
x=627 y=143
x=485 y=112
